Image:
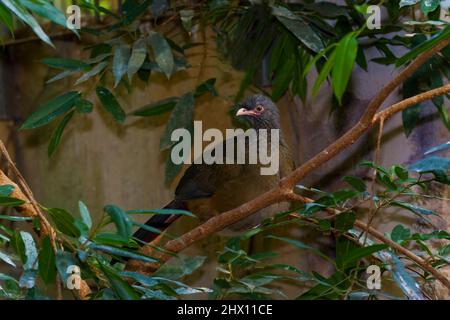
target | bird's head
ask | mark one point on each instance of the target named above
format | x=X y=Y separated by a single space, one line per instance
x=260 y=111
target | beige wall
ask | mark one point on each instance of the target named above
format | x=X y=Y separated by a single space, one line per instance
x=101 y=162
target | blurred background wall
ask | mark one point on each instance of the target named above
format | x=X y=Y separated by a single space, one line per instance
x=102 y=162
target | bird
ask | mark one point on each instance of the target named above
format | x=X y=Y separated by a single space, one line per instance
x=209 y=189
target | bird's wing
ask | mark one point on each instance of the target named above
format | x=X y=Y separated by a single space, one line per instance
x=203 y=180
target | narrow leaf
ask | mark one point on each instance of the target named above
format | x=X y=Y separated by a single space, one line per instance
x=85 y=215
x=343 y=64
x=163 y=53
x=181 y=117
x=47 y=267
x=120 y=62
x=111 y=104
x=64 y=222
x=50 y=110
x=137 y=57
x=55 y=139
x=93 y=72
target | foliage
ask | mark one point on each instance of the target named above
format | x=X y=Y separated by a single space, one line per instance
x=288 y=40
x=101 y=253
x=256 y=276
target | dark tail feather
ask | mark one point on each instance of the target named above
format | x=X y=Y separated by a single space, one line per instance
x=159 y=221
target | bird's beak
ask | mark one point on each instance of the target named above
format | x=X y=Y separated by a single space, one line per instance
x=245 y=112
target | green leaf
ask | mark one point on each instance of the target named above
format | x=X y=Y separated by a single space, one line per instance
x=47 y=267
x=206 y=86
x=437 y=148
x=120 y=286
x=84 y=106
x=343 y=195
x=427 y=6
x=157 y=108
x=65 y=64
x=410 y=118
x=30 y=251
x=91 y=73
x=404 y=3
x=343 y=64
x=300 y=245
x=430 y=164
x=324 y=225
x=163 y=53
x=5 y=277
x=85 y=215
x=50 y=110
x=357 y=183
x=18 y=246
x=147 y=228
x=6 y=190
x=26 y=17
x=162 y=211
x=120 y=219
x=156 y=294
x=424 y=46
x=112 y=239
x=413 y=208
x=47 y=10
x=62 y=75
x=120 y=62
x=15 y=218
x=4 y=257
x=444 y=250
x=159 y=6
x=359 y=253
x=28 y=280
x=142 y=279
x=63 y=261
x=324 y=72
x=183 y=267
x=298 y=27
x=110 y=103
x=8 y=201
x=171 y=170
x=401 y=172
x=101 y=56
x=132 y=11
x=122 y=252
x=55 y=139
x=137 y=57
x=283 y=78
x=82 y=227
x=186 y=19
x=370 y=164
x=6 y=18
x=400 y=233
x=181 y=117
x=404 y=280
x=345 y=221
x=64 y=222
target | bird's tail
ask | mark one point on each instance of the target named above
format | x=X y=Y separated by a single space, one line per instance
x=160 y=222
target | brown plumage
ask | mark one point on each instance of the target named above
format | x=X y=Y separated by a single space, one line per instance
x=207 y=190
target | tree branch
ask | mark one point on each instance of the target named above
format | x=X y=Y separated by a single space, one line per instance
x=284 y=191
x=31 y=209
x=378 y=235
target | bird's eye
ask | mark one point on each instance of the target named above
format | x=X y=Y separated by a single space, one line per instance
x=259 y=108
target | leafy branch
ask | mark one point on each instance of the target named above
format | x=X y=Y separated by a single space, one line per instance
x=285 y=190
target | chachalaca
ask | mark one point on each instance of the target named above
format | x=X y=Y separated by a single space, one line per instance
x=209 y=189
